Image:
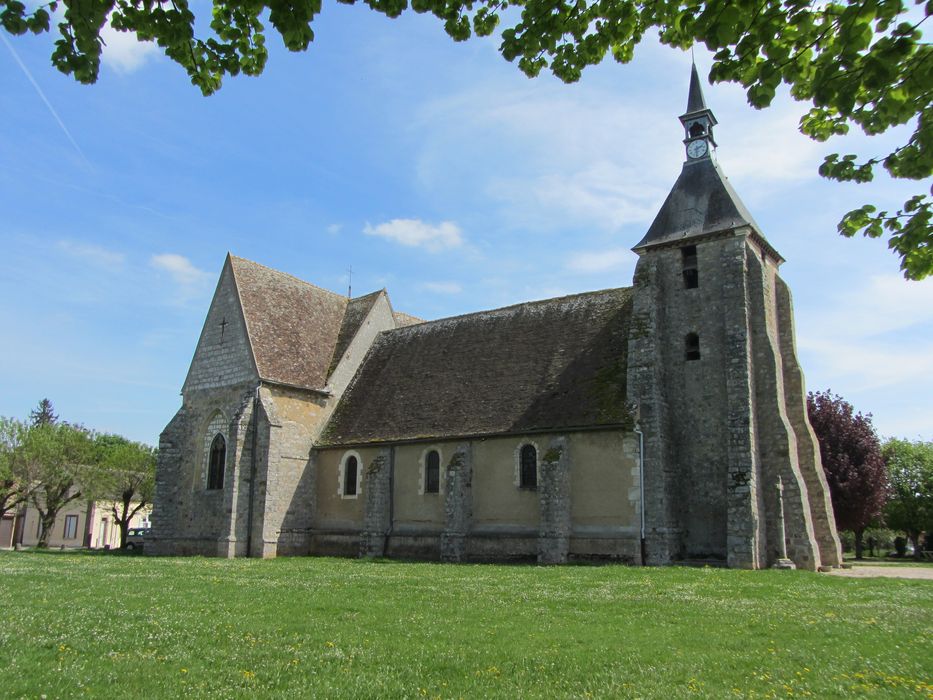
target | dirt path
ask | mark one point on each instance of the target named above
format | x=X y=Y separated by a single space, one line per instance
x=861 y=571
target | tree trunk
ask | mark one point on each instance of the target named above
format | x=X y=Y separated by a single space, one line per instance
x=47 y=521
x=859 y=545
x=124 y=526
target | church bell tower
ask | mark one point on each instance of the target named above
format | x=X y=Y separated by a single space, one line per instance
x=713 y=372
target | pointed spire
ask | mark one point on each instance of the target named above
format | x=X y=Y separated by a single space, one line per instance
x=695 y=101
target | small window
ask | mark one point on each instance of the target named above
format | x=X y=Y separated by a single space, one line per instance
x=690 y=272
x=697 y=129
x=218 y=460
x=692 y=346
x=351 y=470
x=432 y=472
x=71 y=527
x=528 y=467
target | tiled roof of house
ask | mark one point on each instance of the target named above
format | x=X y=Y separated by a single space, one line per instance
x=293 y=326
x=554 y=364
x=403 y=319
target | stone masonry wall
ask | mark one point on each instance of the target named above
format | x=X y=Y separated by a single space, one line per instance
x=458 y=504
x=646 y=390
x=377 y=513
x=223 y=356
x=285 y=486
x=776 y=439
x=808 y=451
x=554 y=493
x=187 y=517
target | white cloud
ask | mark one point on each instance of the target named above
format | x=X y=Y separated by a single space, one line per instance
x=767 y=147
x=93 y=254
x=442 y=287
x=602 y=194
x=549 y=158
x=181 y=270
x=864 y=366
x=601 y=260
x=872 y=335
x=879 y=305
x=123 y=51
x=417 y=233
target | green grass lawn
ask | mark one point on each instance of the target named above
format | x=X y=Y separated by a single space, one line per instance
x=78 y=625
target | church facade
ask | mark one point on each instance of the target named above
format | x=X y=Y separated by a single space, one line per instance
x=659 y=423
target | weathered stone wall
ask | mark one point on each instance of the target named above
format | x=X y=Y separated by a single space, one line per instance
x=377 y=509
x=808 y=449
x=554 y=494
x=682 y=403
x=445 y=525
x=719 y=429
x=458 y=503
x=223 y=356
x=647 y=392
x=284 y=486
x=187 y=517
x=776 y=439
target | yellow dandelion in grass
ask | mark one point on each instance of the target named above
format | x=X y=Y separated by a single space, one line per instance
x=184 y=670
x=249 y=675
x=331 y=645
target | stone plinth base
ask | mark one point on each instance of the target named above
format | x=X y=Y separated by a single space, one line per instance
x=784 y=564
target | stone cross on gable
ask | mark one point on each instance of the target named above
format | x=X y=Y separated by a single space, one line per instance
x=223 y=327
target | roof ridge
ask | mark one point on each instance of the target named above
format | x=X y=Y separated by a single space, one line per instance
x=289 y=275
x=510 y=306
x=363 y=296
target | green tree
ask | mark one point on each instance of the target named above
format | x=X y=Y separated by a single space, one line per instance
x=125 y=476
x=910 y=472
x=859 y=63
x=57 y=460
x=43 y=414
x=14 y=488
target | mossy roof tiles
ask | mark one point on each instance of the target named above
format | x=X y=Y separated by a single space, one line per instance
x=556 y=364
x=293 y=326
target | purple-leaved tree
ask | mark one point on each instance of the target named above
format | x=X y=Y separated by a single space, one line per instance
x=855 y=469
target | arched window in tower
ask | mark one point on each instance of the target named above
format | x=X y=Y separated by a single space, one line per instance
x=528 y=467
x=217 y=462
x=692 y=346
x=697 y=129
x=432 y=472
x=691 y=274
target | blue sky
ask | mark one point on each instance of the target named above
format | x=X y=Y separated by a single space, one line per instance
x=434 y=169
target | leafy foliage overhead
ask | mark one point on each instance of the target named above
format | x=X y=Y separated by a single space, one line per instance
x=860 y=63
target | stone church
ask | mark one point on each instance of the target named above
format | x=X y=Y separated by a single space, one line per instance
x=659 y=423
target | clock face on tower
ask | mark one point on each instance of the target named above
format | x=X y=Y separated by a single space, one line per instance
x=698 y=148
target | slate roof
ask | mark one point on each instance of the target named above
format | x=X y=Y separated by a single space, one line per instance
x=695 y=100
x=547 y=365
x=702 y=201
x=293 y=326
